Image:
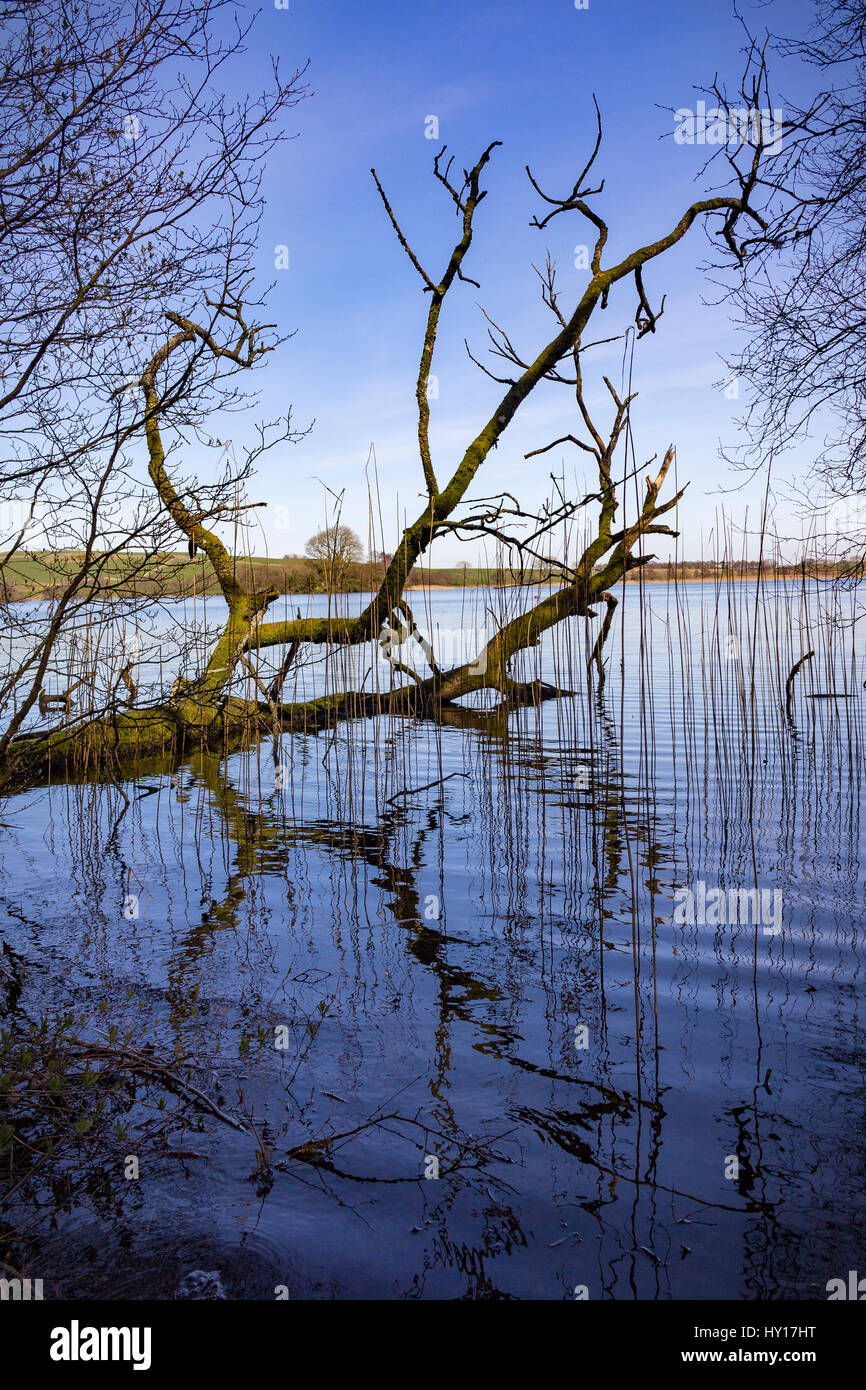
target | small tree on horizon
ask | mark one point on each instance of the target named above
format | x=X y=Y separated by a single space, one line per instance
x=333 y=550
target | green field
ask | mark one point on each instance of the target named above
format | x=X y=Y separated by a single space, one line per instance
x=42 y=575
x=31 y=575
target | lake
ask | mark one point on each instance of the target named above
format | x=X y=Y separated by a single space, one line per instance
x=560 y=1004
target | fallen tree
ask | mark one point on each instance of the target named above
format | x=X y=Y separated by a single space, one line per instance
x=202 y=710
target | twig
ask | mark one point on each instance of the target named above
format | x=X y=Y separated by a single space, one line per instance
x=410 y=791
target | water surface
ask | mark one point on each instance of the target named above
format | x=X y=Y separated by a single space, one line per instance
x=483 y=974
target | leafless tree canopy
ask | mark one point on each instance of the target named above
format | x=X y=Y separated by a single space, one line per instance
x=339 y=542
x=804 y=310
x=129 y=189
x=193 y=328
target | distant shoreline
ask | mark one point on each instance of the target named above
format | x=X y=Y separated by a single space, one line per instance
x=151 y=595
x=33 y=577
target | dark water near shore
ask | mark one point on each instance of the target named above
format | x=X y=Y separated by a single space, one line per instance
x=485 y=972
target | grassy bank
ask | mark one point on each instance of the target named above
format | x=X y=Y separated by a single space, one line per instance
x=32 y=575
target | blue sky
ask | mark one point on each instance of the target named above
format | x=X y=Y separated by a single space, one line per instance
x=521 y=72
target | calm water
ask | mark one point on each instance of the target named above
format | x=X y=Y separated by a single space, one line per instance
x=484 y=974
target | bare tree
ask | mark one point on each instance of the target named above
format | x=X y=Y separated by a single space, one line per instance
x=128 y=183
x=205 y=707
x=804 y=314
x=334 y=550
